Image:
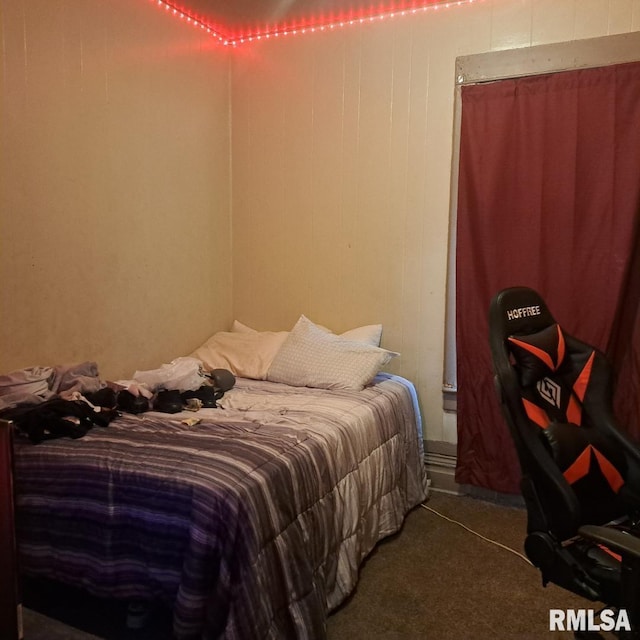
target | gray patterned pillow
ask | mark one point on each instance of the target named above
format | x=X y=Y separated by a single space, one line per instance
x=311 y=357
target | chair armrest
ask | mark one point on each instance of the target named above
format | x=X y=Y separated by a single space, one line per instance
x=616 y=540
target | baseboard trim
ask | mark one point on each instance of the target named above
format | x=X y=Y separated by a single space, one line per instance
x=440 y=462
x=488 y=495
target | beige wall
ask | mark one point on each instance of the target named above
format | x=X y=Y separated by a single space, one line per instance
x=115 y=227
x=115 y=185
x=342 y=146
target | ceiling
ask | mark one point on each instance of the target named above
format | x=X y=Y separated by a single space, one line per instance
x=233 y=18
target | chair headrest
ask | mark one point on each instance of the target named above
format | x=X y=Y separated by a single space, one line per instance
x=521 y=313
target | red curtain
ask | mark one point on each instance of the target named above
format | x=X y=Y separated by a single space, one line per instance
x=548 y=197
x=624 y=348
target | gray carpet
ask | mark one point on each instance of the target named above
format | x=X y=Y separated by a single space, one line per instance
x=433 y=580
x=436 y=580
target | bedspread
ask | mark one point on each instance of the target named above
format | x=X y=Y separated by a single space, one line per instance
x=251 y=523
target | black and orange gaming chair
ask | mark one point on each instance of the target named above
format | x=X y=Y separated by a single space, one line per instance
x=580 y=473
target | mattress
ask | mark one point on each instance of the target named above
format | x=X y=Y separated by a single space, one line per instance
x=251 y=523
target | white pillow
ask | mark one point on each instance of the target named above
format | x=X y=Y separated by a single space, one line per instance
x=369 y=334
x=247 y=355
x=311 y=357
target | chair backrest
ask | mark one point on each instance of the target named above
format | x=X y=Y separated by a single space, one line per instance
x=577 y=466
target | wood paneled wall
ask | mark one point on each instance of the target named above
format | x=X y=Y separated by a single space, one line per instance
x=154 y=185
x=115 y=185
x=342 y=152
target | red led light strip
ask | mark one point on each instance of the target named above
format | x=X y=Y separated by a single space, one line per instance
x=201 y=24
x=312 y=26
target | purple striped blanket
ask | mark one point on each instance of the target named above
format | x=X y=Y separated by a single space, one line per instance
x=250 y=524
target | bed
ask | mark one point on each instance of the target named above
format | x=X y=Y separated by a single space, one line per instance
x=250 y=523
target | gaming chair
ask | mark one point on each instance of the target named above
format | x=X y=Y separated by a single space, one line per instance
x=580 y=473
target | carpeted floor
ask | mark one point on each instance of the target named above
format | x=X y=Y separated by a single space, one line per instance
x=433 y=580
x=437 y=580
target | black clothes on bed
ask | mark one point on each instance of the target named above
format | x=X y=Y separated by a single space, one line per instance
x=57 y=418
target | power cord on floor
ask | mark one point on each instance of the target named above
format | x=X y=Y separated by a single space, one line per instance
x=475 y=533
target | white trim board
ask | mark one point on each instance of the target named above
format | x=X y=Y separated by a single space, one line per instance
x=548 y=58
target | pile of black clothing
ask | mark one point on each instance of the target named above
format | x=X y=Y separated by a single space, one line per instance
x=68 y=400
x=57 y=417
x=52 y=402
